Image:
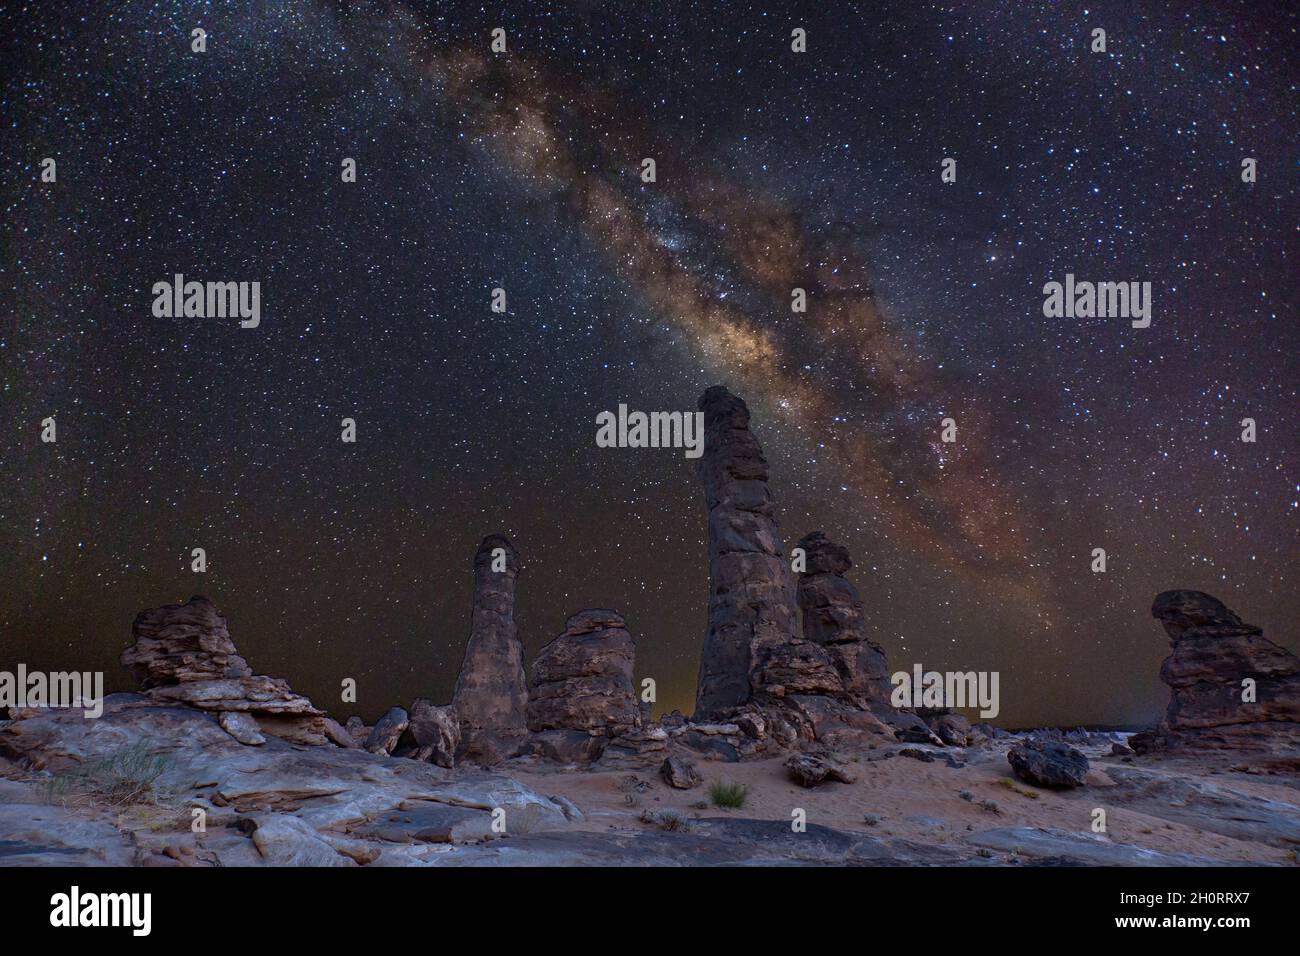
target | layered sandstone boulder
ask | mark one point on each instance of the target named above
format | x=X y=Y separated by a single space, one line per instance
x=1230 y=687
x=634 y=749
x=679 y=774
x=810 y=769
x=582 y=680
x=183 y=653
x=492 y=692
x=953 y=729
x=751 y=588
x=181 y=644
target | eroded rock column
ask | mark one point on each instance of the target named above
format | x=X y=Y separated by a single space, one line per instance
x=751 y=588
x=834 y=618
x=1230 y=687
x=491 y=692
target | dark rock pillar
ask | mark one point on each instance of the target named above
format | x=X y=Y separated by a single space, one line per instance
x=491 y=692
x=751 y=596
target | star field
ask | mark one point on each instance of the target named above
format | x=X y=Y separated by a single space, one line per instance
x=519 y=170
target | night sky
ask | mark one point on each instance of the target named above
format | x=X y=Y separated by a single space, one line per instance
x=775 y=169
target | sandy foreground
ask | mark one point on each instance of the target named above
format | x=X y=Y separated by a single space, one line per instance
x=924 y=802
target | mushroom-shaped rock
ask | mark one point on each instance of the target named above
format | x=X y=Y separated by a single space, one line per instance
x=1230 y=687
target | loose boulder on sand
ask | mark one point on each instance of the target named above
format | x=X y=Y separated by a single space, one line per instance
x=1048 y=763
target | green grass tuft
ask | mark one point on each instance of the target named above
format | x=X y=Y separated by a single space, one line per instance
x=674 y=821
x=123 y=777
x=730 y=795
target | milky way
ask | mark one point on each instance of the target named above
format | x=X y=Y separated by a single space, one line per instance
x=731 y=297
x=519 y=170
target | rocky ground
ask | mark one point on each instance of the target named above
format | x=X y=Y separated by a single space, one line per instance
x=284 y=803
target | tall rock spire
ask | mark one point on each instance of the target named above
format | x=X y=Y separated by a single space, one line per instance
x=751 y=588
x=492 y=692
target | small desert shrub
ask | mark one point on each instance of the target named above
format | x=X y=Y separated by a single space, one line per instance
x=870 y=819
x=966 y=795
x=123 y=777
x=730 y=795
x=1011 y=785
x=671 y=820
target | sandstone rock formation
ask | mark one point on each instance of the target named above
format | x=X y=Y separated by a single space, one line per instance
x=242 y=727
x=836 y=632
x=568 y=746
x=357 y=729
x=809 y=770
x=1214 y=659
x=491 y=692
x=432 y=734
x=582 y=680
x=751 y=588
x=829 y=686
x=387 y=731
x=679 y=774
x=271 y=804
x=183 y=653
x=1048 y=763
x=183 y=643
x=953 y=729
x=636 y=748
x=834 y=619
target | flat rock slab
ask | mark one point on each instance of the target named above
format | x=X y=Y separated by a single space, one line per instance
x=1217 y=808
x=429 y=823
x=1087 y=849
x=713 y=841
x=285 y=840
x=34 y=834
x=303 y=799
